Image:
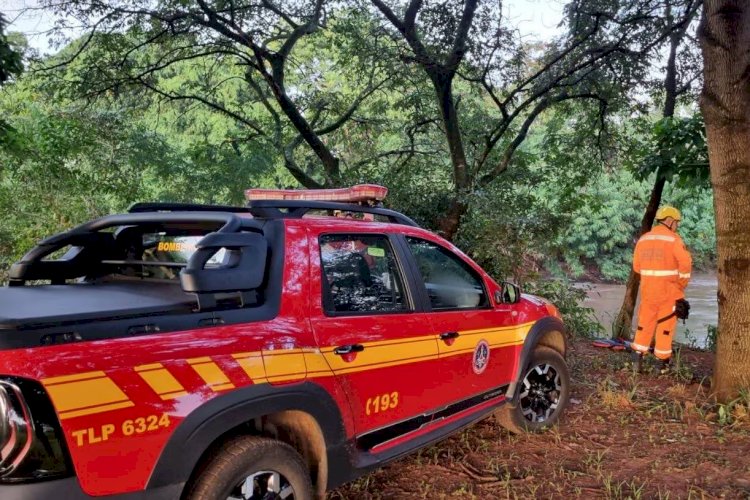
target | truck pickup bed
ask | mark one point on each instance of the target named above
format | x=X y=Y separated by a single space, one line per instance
x=49 y=305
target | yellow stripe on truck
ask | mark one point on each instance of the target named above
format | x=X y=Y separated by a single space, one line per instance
x=210 y=373
x=95 y=392
x=252 y=363
x=284 y=364
x=496 y=337
x=161 y=381
x=84 y=394
x=378 y=355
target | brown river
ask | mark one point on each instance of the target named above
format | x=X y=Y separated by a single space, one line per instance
x=701 y=293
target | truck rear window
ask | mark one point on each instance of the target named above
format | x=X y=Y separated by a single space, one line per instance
x=158 y=254
x=162 y=247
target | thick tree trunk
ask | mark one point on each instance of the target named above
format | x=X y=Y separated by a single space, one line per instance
x=624 y=320
x=725 y=103
x=449 y=222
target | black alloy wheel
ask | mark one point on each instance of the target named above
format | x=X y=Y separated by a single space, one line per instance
x=263 y=485
x=540 y=393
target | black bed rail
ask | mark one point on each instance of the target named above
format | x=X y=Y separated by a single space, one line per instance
x=295 y=209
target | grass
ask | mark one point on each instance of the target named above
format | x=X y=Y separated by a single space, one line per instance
x=736 y=412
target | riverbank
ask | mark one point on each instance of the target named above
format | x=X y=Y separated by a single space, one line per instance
x=606 y=299
x=623 y=436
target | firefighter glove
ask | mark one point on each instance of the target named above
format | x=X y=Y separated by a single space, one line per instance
x=682 y=309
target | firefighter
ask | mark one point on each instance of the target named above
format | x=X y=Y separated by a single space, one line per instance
x=664 y=264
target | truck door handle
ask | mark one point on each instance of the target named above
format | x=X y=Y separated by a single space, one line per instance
x=343 y=350
x=449 y=335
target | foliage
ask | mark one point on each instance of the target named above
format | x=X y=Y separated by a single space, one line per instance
x=10 y=64
x=734 y=412
x=603 y=230
x=674 y=147
x=107 y=125
x=10 y=58
x=579 y=320
x=73 y=162
x=712 y=337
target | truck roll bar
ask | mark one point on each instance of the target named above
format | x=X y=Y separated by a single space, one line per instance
x=94 y=242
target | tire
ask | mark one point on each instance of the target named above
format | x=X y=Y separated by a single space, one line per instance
x=528 y=414
x=231 y=469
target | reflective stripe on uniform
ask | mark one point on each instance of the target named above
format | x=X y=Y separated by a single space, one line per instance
x=659 y=351
x=684 y=275
x=638 y=347
x=657 y=237
x=659 y=272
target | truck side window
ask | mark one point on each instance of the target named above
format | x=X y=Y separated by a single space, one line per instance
x=451 y=283
x=360 y=274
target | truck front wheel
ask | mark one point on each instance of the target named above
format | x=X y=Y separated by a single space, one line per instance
x=253 y=468
x=543 y=393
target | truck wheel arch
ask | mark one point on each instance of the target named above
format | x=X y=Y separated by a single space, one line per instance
x=304 y=414
x=549 y=332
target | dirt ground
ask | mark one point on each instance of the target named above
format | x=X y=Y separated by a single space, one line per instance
x=622 y=436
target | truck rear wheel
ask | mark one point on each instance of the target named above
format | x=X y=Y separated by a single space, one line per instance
x=543 y=393
x=253 y=468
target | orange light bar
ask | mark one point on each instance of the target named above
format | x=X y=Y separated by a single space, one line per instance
x=354 y=194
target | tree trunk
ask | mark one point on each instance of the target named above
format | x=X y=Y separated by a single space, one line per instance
x=725 y=103
x=449 y=222
x=624 y=319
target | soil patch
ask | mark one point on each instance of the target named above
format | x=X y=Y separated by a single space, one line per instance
x=623 y=436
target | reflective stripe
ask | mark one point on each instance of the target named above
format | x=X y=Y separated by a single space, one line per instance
x=638 y=347
x=658 y=237
x=656 y=272
x=659 y=353
x=684 y=275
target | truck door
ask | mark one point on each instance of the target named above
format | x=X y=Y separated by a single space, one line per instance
x=476 y=342
x=371 y=335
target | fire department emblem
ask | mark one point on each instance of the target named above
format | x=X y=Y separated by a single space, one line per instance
x=481 y=357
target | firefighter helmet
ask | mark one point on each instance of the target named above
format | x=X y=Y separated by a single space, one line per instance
x=668 y=211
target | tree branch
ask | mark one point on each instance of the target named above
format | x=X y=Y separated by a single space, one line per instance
x=349 y=112
x=459 y=44
x=524 y=130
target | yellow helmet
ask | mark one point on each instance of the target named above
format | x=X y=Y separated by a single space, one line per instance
x=668 y=211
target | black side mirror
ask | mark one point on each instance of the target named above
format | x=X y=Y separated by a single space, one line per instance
x=510 y=293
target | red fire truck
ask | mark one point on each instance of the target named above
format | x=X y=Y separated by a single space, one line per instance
x=271 y=351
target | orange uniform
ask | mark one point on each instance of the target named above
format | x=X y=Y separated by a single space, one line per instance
x=664 y=264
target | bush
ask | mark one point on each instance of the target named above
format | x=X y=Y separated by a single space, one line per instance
x=579 y=319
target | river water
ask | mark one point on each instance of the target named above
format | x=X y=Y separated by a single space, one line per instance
x=701 y=293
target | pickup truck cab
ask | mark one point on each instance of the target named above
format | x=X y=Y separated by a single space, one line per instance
x=276 y=350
